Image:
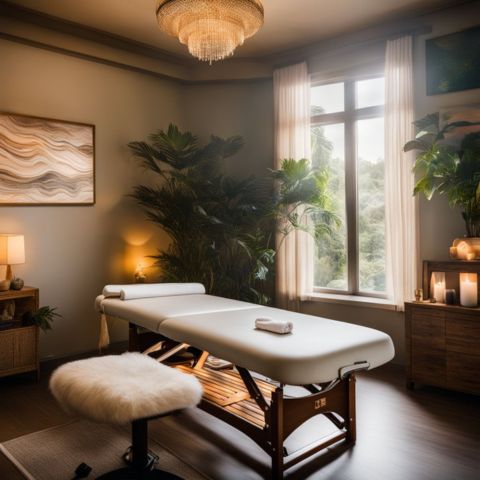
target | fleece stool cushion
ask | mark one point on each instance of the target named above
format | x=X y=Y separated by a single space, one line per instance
x=118 y=389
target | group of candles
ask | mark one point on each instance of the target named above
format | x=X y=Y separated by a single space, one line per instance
x=468 y=289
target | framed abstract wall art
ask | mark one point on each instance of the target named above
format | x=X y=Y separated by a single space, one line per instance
x=453 y=62
x=46 y=162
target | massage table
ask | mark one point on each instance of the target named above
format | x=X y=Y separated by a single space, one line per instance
x=320 y=355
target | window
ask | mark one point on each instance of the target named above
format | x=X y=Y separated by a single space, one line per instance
x=347 y=134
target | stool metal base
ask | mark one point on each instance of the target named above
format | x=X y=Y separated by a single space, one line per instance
x=140 y=461
x=130 y=473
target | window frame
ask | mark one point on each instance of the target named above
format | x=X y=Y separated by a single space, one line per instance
x=349 y=117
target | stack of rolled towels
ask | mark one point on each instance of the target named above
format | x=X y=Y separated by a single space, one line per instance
x=276 y=326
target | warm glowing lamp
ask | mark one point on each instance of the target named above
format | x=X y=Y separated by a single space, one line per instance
x=12 y=252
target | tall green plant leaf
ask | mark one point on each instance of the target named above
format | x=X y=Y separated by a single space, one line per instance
x=221 y=227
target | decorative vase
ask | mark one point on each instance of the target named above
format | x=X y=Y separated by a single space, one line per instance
x=17 y=284
x=467 y=248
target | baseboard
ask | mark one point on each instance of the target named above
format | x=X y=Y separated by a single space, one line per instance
x=114 y=348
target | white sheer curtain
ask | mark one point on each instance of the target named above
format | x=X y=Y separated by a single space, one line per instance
x=294 y=272
x=400 y=205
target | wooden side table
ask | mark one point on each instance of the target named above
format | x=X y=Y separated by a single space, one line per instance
x=443 y=341
x=443 y=346
x=19 y=342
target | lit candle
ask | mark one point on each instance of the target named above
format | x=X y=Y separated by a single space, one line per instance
x=437 y=286
x=439 y=292
x=468 y=289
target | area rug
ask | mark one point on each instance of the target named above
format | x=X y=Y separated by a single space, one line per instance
x=55 y=453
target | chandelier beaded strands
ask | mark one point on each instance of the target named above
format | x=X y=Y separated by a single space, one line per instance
x=212 y=29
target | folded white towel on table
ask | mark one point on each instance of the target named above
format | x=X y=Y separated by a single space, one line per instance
x=275 y=326
x=149 y=290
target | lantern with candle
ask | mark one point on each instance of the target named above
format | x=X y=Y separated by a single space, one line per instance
x=468 y=290
x=437 y=286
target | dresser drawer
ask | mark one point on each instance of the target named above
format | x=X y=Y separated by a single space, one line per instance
x=428 y=366
x=463 y=372
x=463 y=333
x=7 y=342
x=428 y=329
x=25 y=348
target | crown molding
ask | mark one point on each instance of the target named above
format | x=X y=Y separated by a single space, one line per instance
x=84 y=56
x=409 y=24
x=10 y=10
x=257 y=68
x=187 y=69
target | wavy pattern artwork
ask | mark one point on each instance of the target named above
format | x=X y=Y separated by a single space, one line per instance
x=45 y=161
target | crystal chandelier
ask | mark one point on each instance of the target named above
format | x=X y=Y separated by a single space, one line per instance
x=212 y=29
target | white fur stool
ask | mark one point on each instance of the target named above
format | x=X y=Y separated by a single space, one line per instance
x=129 y=388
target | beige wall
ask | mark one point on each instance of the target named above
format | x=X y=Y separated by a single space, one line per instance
x=244 y=109
x=72 y=251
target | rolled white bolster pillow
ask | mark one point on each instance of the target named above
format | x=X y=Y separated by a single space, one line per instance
x=112 y=290
x=275 y=326
x=150 y=290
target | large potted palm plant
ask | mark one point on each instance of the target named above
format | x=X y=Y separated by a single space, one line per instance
x=222 y=228
x=452 y=170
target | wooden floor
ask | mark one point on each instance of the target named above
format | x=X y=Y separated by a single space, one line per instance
x=421 y=435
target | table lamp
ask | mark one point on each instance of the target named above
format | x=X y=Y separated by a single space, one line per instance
x=12 y=252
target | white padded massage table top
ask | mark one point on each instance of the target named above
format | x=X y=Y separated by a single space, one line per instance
x=313 y=353
x=151 y=312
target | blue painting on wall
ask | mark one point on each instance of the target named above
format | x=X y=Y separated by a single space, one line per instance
x=453 y=62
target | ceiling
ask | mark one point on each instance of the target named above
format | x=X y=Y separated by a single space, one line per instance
x=288 y=23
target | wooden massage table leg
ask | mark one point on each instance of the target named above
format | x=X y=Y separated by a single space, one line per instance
x=145 y=341
x=276 y=434
x=351 y=420
x=133 y=340
x=150 y=342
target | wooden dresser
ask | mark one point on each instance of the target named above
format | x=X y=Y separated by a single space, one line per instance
x=443 y=341
x=19 y=342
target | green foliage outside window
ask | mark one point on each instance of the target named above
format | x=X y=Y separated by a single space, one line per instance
x=331 y=254
x=331 y=251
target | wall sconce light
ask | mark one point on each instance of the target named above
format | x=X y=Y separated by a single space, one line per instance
x=139 y=275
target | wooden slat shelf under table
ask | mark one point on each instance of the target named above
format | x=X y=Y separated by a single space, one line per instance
x=224 y=386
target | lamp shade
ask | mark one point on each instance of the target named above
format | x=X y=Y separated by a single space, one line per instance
x=12 y=249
